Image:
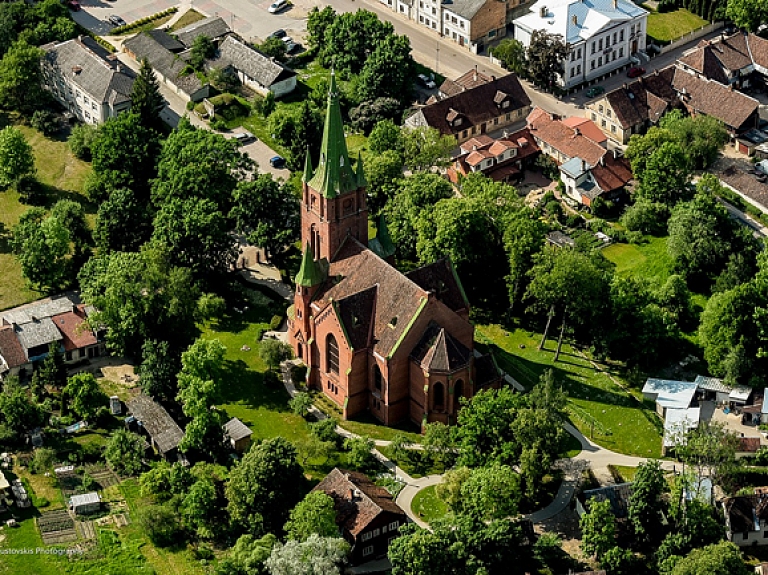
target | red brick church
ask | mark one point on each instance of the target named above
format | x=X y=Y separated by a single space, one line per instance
x=398 y=345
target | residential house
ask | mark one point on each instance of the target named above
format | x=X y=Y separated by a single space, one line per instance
x=254 y=70
x=713 y=389
x=746 y=519
x=86 y=79
x=170 y=67
x=560 y=240
x=367 y=515
x=85 y=503
x=601 y=35
x=669 y=394
x=585 y=182
x=636 y=106
x=478 y=110
x=761 y=569
x=404 y=7
x=466 y=81
x=214 y=27
x=737 y=111
x=152 y=418
x=399 y=346
x=618 y=495
x=470 y=23
x=60 y=319
x=238 y=435
x=678 y=422
x=730 y=60
x=502 y=160
x=562 y=142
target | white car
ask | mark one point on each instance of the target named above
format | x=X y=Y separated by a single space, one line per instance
x=426 y=81
x=277 y=6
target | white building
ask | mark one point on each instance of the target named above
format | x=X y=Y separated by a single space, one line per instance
x=602 y=35
x=86 y=79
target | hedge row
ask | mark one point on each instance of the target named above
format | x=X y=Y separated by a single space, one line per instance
x=141 y=22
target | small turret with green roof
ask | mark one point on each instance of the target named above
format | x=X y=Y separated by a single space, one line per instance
x=308 y=173
x=334 y=175
x=310 y=274
x=361 y=181
x=382 y=244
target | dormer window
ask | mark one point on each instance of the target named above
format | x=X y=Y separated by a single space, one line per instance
x=505 y=104
x=457 y=122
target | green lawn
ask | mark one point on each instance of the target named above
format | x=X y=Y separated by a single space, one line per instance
x=189 y=17
x=428 y=506
x=648 y=260
x=64 y=176
x=627 y=473
x=670 y=26
x=613 y=416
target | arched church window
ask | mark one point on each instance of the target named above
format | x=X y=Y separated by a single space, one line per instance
x=348 y=206
x=331 y=354
x=438 y=393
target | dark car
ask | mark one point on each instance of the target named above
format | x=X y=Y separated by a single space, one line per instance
x=277 y=162
x=116 y=20
x=279 y=33
x=635 y=72
x=74 y=5
x=595 y=91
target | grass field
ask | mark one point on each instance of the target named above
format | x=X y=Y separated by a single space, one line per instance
x=649 y=260
x=189 y=17
x=670 y=26
x=64 y=176
x=620 y=422
x=428 y=506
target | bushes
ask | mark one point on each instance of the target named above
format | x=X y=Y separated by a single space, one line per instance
x=45 y=121
x=275 y=322
x=142 y=21
x=646 y=217
x=80 y=141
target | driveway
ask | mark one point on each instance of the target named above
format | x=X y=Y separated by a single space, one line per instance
x=94 y=14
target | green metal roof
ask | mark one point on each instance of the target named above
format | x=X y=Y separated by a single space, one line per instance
x=334 y=175
x=361 y=181
x=382 y=244
x=310 y=273
x=308 y=173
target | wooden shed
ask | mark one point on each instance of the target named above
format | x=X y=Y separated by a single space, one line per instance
x=238 y=434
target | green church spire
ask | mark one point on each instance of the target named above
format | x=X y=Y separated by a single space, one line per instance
x=310 y=273
x=360 y=172
x=334 y=175
x=308 y=173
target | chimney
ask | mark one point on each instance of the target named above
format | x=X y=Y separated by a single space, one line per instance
x=615 y=154
x=505 y=134
x=575 y=20
x=474 y=76
x=615 y=4
x=576 y=132
x=583 y=165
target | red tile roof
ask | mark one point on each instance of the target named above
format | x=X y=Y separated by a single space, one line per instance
x=645 y=99
x=358 y=500
x=612 y=174
x=466 y=81
x=10 y=348
x=568 y=141
x=479 y=141
x=76 y=332
x=588 y=128
x=719 y=59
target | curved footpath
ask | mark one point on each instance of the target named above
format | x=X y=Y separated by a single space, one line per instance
x=591 y=455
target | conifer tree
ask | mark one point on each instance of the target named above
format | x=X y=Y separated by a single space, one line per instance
x=146 y=99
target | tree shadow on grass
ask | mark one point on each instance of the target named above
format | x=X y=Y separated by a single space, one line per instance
x=247 y=386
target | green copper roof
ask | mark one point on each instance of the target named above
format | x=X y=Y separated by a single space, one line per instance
x=361 y=181
x=382 y=244
x=310 y=273
x=334 y=175
x=308 y=173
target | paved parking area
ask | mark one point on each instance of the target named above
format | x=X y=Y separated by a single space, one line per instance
x=94 y=14
x=260 y=153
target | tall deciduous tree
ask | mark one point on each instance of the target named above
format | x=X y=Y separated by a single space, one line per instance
x=723 y=558
x=84 y=395
x=267 y=213
x=383 y=171
x=124 y=451
x=16 y=156
x=598 y=529
x=20 y=75
x=317 y=25
x=314 y=515
x=146 y=100
x=140 y=296
x=314 y=556
x=748 y=14
x=158 y=369
x=18 y=412
x=647 y=506
x=248 y=555
x=123 y=223
x=546 y=54
x=665 y=177
x=512 y=53
x=42 y=244
x=425 y=148
x=485 y=432
x=264 y=486
x=388 y=71
x=385 y=136
x=200 y=509
x=350 y=39
x=491 y=492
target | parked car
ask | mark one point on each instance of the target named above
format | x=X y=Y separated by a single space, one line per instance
x=635 y=71
x=74 y=5
x=116 y=20
x=426 y=81
x=290 y=45
x=595 y=91
x=277 y=162
x=243 y=138
x=277 y=6
x=279 y=33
